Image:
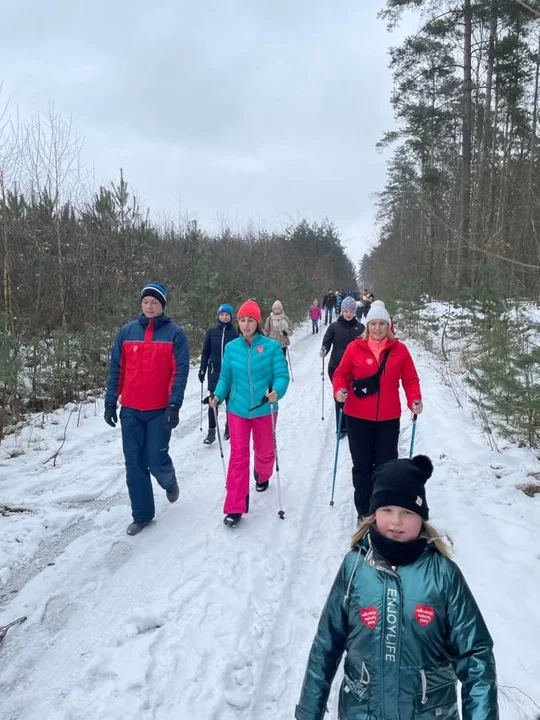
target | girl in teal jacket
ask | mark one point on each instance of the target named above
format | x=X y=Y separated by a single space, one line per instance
x=254 y=375
x=405 y=617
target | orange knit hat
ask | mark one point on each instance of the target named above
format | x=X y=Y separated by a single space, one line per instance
x=250 y=309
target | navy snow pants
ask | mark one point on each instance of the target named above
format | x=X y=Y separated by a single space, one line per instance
x=145 y=440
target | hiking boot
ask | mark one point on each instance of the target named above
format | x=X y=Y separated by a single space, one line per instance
x=173 y=493
x=210 y=438
x=260 y=486
x=135 y=528
x=232 y=519
x=226 y=433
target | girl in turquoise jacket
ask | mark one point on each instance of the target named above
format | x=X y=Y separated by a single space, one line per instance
x=404 y=615
x=254 y=375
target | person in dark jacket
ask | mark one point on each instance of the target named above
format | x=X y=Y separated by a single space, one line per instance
x=363 y=307
x=404 y=615
x=212 y=357
x=339 y=334
x=148 y=371
x=329 y=304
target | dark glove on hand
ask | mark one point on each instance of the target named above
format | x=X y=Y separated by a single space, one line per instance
x=110 y=415
x=207 y=399
x=201 y=375
x=171 y=416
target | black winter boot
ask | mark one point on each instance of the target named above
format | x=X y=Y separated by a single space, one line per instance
x=232 y=519
x=260 y=486
x=210 y=438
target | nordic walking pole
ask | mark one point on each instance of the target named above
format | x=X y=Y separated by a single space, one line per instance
x=338 y=437
x=322 y=416
x=415 y=418
x=200 y=425
x=281 y=512
x=219 y=442
x=290 y=364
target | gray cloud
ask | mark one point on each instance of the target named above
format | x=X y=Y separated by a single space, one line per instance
x=262 y=109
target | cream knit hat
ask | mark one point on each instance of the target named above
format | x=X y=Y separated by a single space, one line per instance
x=378 y=311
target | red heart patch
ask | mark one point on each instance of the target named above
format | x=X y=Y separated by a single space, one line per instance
x=370 y=616
x=260 y=348
x=425 y=614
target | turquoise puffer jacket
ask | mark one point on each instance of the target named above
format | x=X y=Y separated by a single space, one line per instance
x=408 y=634
x=248 y=372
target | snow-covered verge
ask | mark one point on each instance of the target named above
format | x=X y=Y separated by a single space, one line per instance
x=192 y=620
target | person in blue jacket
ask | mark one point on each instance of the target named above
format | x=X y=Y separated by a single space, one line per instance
x=254 y=375
x=212 y=357
x=404 y=615
x=148 y=371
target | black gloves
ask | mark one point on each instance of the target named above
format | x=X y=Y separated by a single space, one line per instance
x=171 y=416
x=110 y=415
x=201 y=375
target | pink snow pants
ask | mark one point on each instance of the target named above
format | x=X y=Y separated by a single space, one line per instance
x=237 y=498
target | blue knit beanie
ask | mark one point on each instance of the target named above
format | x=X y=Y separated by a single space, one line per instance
x=225 y=308
x=155 y=290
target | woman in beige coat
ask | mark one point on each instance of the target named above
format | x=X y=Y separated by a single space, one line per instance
x=278 y=326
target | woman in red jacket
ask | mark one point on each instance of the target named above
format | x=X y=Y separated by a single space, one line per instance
x=367 y=380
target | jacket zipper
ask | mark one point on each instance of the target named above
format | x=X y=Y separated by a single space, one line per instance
x=222 y=342
x=393 y=572
x=379 y=392
x=149 y=331
x=249 y=375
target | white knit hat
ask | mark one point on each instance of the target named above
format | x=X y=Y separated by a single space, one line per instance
x=277 y=306
x=378 y=311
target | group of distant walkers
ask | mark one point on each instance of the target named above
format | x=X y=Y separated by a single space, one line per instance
x=399 y=607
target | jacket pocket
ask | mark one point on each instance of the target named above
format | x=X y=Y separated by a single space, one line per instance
x=437 y=703
x=354 y=694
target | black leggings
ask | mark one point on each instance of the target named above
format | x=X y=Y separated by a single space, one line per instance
x=371 y=443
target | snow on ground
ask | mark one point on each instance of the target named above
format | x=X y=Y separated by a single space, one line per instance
x=192 y=620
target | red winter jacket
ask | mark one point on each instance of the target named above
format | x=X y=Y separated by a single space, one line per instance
x=359 y=362
x=149 y=364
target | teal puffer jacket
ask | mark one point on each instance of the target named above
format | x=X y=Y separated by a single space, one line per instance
x=408 y=634
x=247 y=373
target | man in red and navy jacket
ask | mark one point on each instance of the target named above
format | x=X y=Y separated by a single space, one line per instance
x=148 y=371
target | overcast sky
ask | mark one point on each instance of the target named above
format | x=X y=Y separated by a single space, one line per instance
x=234 y=110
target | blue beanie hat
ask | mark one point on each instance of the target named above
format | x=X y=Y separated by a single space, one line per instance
x=155 y=290
x=225 y=308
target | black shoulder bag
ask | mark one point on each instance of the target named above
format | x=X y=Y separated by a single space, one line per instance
x=370 y=385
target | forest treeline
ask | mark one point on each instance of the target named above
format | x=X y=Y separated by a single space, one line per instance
x=74 y=262
x=461 y=205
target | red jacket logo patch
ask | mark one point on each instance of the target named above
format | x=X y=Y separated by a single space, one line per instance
x=260 y=348
x=370 y=616
x=424 y=614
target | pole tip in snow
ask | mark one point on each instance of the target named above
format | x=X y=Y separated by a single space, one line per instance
x=331 y=502
x=281 y=514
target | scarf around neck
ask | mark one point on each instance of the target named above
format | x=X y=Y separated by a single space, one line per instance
x=395 y=552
